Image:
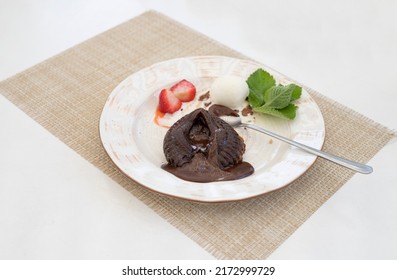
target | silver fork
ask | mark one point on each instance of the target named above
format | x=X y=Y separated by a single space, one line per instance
x=235 y=121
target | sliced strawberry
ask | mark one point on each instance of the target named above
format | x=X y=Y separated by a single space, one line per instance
x=168 y=103
x=184 y=90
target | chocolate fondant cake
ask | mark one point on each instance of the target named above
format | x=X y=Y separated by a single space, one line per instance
x=201 y=147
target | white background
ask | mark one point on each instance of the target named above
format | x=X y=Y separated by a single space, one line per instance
x=55 y=205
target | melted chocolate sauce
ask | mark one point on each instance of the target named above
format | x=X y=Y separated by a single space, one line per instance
x=220 y=110
x=202 y=171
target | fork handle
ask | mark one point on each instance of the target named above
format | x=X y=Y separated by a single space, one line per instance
x=356 y=166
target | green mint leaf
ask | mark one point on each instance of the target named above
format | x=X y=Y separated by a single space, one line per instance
x=258 y=83
x=288 y=112
x=265 y=97
x=279 y=96
x=296 y=93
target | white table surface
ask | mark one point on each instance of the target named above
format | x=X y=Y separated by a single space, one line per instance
x=55 y=205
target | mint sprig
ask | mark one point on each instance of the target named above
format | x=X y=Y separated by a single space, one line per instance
x=268 y=98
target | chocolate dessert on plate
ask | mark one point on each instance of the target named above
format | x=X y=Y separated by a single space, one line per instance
x=200 y=147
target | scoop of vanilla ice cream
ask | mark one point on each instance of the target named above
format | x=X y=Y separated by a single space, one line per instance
x=229 y=91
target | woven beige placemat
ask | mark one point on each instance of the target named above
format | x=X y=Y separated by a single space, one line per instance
x=66 y=93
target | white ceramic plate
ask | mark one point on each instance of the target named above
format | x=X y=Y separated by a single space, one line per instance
x=134 y=141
